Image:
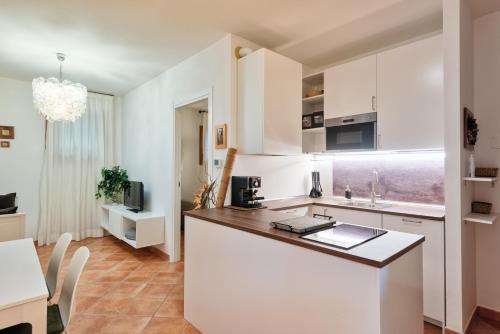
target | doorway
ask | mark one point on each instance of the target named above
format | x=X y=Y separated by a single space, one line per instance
x=192 y=160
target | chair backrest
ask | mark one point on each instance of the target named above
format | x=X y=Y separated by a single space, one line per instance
x=55 y=262
x=71 y=278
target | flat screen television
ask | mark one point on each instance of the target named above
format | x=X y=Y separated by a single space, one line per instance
x=134 y=196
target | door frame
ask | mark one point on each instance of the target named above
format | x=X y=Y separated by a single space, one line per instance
x=176 y=149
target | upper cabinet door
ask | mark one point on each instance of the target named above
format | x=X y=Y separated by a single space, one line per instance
x=410 y=96
x=269 y=104
x=351 y=88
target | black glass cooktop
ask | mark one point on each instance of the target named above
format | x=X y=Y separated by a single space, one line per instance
x=345 y=236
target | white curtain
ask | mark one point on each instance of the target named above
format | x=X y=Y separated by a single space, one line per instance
x=74 y=155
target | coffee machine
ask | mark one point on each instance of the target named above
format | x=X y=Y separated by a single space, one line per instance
x=244 y=192
x=317 y=190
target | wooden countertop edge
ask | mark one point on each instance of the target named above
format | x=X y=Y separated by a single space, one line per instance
x=310 y=245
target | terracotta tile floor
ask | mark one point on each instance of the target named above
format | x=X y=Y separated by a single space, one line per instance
x=123 y=290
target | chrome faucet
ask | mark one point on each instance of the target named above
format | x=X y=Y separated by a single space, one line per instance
x=373 y=193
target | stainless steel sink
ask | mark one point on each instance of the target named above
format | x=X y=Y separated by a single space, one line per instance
x=365 y=205
x=370 y=205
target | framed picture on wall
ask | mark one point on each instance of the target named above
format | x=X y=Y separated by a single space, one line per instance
x=220 y=134
x=6 y=132
x=471 y=130
x=4 y=144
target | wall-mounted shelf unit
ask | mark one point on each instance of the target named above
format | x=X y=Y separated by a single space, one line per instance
x=481 y=218
x=313 y=140
x=491 y=180
x=150 y=227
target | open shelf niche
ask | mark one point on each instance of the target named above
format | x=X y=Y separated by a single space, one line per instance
x=313 y=140
x=479 y=217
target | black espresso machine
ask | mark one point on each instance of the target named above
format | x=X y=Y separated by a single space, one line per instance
x=244 y=192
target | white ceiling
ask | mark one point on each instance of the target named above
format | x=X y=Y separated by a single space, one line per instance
x=115 y=45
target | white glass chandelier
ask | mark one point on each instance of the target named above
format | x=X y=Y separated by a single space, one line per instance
x=58 y=99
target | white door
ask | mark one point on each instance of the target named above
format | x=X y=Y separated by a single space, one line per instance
x=410 y=96
x=433 y=259
x=351 y=88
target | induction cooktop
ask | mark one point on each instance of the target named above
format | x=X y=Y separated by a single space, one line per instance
x=345 y=236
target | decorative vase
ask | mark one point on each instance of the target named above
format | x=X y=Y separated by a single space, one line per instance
x=117 y=198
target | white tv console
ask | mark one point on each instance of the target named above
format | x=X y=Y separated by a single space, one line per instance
x=150 y=227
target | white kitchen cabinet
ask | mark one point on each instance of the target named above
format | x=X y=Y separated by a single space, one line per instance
x=433 y=259
x=349 y=216
x=410 y=96
x=351 y=88
x=269 y=104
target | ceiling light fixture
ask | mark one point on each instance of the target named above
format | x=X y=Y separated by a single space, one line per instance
x=58 y=99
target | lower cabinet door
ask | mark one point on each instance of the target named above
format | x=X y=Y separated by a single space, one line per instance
x=356 y=217
x=115 y=224
x=433 y=259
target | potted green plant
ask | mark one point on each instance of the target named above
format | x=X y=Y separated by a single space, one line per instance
x=114 y=182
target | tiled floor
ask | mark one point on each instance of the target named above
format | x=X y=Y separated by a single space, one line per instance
x=123 y=290
x=129 y=291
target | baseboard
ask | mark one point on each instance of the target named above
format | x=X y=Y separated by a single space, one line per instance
x=488 y=313
x=469 y=324
x=160 y=253
x=471 y=319
x=482 y=312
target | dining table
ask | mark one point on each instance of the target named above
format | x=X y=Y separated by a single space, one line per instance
x=23 y=291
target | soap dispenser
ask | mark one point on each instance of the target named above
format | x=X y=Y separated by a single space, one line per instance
x=348 y=193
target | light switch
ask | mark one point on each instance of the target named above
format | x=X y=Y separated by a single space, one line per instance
x=218 y=163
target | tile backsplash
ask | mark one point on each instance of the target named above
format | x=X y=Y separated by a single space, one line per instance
x=409 y=177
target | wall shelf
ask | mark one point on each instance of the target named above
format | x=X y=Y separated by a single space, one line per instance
x=481 y=218
x=314 y=130
x=313 y=99
x=491 y=180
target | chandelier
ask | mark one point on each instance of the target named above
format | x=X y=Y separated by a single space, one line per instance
x=58 y=99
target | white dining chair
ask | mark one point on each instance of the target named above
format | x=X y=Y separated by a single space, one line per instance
x=59 y=315
x=55 y=263
x=66 y=300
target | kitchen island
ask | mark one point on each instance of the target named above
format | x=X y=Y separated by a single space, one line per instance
x=243 y=276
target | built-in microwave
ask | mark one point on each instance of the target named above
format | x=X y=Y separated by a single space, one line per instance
x=352 y=133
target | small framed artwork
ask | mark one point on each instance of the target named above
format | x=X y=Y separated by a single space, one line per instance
x=221 y=136
x=471 y=130
x=4 y=144
x=6 y=132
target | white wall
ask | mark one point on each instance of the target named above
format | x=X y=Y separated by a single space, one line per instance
x=148 y=127
x=282 y=176
x=453 y=164
x=469 y=299
x=487 y=112
x=20 y=165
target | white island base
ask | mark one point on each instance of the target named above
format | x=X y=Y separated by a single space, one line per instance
x=237 y=282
